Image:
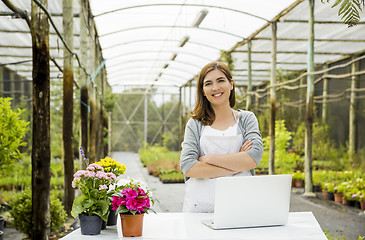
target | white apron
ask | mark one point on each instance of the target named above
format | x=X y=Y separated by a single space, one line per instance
x=200 y=193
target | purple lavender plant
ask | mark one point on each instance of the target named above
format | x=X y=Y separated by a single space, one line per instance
x=84 y=157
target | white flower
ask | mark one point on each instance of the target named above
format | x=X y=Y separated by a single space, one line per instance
x=123 y=182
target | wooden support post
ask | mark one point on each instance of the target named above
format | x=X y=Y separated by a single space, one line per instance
x=180 y=120
x=301 y=96
x=325 y=103
x=145 y=116
x=1 y=81
x=272 y=100
x=249 y=82
x=67 y=119
x=92 y=97
x=190 y=100
x=352 y=113
x=92 y=103
x=41 y=151
x=84 y=93
x=308 y=188
x=109 y=133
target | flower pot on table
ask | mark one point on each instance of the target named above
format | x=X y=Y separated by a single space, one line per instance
x=132 y=225
x=112 y=218
x=90 y=225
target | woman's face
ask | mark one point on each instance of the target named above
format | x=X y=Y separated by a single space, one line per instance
x=217 y=88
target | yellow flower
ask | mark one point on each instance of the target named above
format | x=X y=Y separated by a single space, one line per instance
x=110 y=165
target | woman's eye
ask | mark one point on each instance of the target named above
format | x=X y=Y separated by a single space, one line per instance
x=207 y=84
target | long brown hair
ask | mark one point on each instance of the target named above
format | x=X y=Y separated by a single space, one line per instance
x=203 y=110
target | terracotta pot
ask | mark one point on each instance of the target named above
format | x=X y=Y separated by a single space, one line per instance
x=298 y=183
x=325 y=194
x=362 y=205
x=338 y=197
x=344 y=201
x=132 y=225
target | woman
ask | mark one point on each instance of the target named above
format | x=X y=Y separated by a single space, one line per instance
x=218 y=141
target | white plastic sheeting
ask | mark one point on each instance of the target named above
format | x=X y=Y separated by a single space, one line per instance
x=140 y=38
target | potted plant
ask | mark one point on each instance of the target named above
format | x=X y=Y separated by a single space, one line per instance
x=21 y=212
x=330 y=189
x=92 y=205
x=131 y=200
x=362 y=199
x=110 y=165
x=339 y=190
x=298 y=178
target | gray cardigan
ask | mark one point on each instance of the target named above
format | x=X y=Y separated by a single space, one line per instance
x=248 y=125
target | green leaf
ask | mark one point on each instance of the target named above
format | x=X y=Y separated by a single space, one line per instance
x=88 y=203
x=344 y=6
x=104 y=205
x=336 y=3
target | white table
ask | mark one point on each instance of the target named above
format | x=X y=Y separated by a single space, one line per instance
x=301 y=225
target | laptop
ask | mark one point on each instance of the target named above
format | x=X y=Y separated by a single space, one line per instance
x=251 y=201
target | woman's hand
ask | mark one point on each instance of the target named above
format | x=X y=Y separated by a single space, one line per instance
x=246 y=146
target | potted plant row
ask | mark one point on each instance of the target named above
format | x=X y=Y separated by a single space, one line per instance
x=350 y=193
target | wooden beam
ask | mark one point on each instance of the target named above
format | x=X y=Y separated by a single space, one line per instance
x=305 y=39
x=308 y=188
x=272 y=100
x=67 y=117
x=41 y=151
x=291 y=52
x=84 y=92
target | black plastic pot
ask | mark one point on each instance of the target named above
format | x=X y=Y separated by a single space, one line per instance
x=90 y=225
x=2 y=223
x=1 y=235
x=112 y=218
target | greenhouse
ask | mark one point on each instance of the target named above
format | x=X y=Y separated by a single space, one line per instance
x=117 y=82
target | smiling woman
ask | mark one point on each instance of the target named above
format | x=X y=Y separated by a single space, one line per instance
x=219 y=141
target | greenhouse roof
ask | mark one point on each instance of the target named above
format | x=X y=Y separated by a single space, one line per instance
x=166 y=43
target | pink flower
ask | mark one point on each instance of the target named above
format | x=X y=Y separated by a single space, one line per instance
x=101 y=187
x=100 y=174
x=134 y=199
x=94 y=166
x=111 y=175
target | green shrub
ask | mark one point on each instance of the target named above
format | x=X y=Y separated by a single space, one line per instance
x=21 y=212
x=12 y=132
x=284 y=161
